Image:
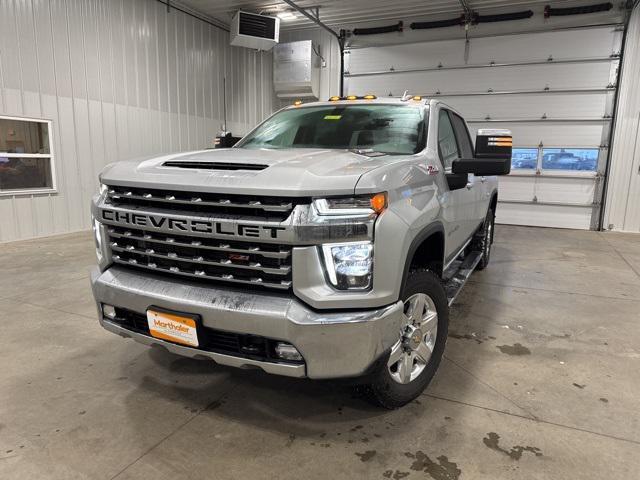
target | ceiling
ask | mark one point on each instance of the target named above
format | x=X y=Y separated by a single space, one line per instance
x=345 y=12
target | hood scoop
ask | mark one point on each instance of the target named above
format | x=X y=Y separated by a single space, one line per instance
x=213 y=165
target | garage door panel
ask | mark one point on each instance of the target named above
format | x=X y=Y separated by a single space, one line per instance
x=547 y=189
x=534 y=77
x=565 y=44
x=558 y=216
x=402 y=57
x=550 y=134
x=592 y=43
x=583 y=105
x=565 y=190
x=516 y=188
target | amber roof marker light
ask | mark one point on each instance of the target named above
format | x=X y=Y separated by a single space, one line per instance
x=368 y=96
x=297 y=102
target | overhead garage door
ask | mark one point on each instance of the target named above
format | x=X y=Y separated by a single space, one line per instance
x=554 y=90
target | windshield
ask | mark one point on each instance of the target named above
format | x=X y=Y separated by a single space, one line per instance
x=391 y=129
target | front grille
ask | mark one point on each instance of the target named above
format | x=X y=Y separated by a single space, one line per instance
x=241 y=262
x=211 y=340
x=213 y=204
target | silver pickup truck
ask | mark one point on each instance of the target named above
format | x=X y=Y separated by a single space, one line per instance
x=329 y=242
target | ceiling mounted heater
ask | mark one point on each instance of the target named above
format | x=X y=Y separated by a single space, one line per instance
x=250 y=30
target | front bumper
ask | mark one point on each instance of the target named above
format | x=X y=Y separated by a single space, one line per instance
x=334 y=344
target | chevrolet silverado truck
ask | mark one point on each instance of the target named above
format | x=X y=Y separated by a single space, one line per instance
x=328 y=243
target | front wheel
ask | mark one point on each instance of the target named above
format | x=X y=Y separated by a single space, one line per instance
x=415 y=357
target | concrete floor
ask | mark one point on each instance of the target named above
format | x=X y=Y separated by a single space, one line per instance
x=541 y=379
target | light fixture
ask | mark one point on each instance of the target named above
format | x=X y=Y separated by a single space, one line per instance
x=286 y=15
x=109 y=311
x=286 y=351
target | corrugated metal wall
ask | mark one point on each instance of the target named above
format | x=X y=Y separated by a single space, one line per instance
x=119 y=79
x=622 y=208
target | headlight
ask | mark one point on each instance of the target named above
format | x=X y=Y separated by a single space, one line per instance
x=97 y=236
x=358 y=205
x=349 y=265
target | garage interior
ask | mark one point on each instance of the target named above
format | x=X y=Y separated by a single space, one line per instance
x=540 y=376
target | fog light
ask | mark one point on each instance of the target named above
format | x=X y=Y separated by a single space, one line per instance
x=286 y=351
x=109 y=311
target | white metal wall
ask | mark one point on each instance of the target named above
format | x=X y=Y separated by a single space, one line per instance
x=622 y=210
x=119 y=79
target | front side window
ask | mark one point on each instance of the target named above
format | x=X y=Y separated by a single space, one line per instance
x=390 y=129
x=447 y=144
x=26 y=162
x=462 y=134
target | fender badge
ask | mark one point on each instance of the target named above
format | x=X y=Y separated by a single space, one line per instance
x=432 y=170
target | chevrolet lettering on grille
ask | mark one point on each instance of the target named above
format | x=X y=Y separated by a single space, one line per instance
x=191 y=225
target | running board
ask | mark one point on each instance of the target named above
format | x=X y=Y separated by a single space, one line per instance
x=458 y=273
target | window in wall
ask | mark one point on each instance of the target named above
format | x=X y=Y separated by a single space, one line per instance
x=26 y=160
x=524 y=158
x=585 y=159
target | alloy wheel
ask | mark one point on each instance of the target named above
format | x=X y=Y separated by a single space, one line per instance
x=410 y=355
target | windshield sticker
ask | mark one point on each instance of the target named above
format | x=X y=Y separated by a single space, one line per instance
x=332 y=117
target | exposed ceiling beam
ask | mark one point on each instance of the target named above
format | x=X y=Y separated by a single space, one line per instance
x=180 y=6
x=313 y=18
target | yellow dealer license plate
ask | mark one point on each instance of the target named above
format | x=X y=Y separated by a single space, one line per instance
x=173 y=327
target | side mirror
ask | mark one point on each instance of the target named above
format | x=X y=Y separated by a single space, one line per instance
x=225 y=140
x=492 y=155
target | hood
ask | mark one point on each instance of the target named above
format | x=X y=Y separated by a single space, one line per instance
x=292 y=172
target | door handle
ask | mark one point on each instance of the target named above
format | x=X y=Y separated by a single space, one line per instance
x=469 y=185
x=483 y=179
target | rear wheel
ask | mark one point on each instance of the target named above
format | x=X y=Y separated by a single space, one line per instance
x=414 y=358
x=483 y=239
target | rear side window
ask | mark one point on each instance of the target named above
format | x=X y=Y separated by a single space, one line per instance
x=462 y=134
x=447 y=144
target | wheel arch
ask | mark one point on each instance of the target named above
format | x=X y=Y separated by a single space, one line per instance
x=494 y=201
x=426 y=250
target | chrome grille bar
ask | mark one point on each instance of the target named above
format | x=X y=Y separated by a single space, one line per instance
x=131 y=249
x=169 y=199
x=283 y=284
x=219 y=247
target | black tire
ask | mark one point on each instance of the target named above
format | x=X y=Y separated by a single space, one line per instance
x=383 y=390
x=483 y=240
